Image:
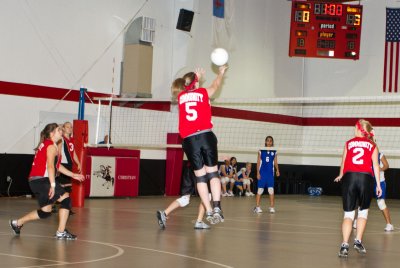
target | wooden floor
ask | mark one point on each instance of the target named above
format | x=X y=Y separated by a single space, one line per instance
x=304 y=232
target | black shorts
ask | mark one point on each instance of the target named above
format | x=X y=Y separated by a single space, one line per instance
x=64 y=179
x=201 y=149
x=40 y=188
x=188 y=184
x=357 y=190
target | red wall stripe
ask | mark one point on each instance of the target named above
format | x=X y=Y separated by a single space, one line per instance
x=35 y=91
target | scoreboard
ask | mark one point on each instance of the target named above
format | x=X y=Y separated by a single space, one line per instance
x=325 y=30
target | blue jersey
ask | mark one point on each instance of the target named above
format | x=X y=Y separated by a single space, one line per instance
x=227 y=170
x=267 y=169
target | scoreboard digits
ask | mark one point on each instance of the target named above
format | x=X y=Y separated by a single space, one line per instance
x=325 y=30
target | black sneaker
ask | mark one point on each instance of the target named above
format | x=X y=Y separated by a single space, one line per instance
x=217 y=215
x=344 y=250
x=162 y=219
x=359 y=247
x=65 y=235
x=14 y=226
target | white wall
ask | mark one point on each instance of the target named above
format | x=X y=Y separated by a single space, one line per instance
x=66 y=44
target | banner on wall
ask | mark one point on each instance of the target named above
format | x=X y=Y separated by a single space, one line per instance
x=112 y=172
x=102 y=176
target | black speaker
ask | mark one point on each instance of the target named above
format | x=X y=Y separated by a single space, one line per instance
x=185 y=20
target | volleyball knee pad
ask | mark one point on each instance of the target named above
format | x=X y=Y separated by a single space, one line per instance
x=203 y=178
x=260 y=191
x=66 y=203
x=183 y=200
x=381 y=203
x=212 y=175
x=350 y=215
x=43 y=214
x=270 y=190
x=363 y=213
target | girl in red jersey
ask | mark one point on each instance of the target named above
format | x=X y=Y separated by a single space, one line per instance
x=199 y=142
x=69 y=156
x=43 y=185
x=357 y=176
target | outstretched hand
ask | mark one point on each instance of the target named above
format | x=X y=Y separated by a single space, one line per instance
x=338 y=178
x=199 y=72
x=222 y=69
x=78 y=177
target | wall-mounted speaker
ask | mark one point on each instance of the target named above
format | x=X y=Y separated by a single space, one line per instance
x=185 y=20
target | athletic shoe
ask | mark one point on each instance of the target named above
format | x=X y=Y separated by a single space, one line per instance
x=271 y=210
x=257 y=210
x=389 y=227
x=210 y=217
x=251 y=194
x=14 y=226
x=344 y=250
x=200 y=225
x=162 y=219
x=359 y=246
x=230 y=193
x=217 y=215
x=65 y=235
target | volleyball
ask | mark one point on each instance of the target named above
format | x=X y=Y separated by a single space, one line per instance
x=219 y=56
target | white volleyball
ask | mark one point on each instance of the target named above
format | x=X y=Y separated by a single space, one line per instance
x=219 y=56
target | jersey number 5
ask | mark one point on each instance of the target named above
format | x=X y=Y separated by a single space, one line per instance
x=191 y=113
x=357 y=159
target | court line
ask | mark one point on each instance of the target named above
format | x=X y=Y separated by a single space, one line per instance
x=33 y=258
x=120 y=252
x=176 y=254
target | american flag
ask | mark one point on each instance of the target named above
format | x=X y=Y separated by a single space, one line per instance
x=392 y=50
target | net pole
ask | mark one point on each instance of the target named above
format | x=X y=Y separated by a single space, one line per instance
x=98 y=123
x=109 y=129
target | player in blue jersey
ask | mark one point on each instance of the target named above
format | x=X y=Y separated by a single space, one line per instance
x=267 y=167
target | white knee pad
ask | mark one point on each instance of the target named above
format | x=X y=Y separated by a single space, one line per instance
x=381 y=203
x=246 y=181
x=183 y=200
x=224 y=180
x=270 y=190
x=350 y=215
x=260 y=191
x=363 y=213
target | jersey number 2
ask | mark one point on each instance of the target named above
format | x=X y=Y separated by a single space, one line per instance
x=357 y=159
x=191 y=113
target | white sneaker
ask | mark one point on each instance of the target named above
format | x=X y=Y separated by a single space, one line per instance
x=389 y=228
x=355 y=224
x=199 y=225
x=230 y=193
x=257 y=210
x=251 y=194
x=247 y=194
x=225 y=194
x=271 y=210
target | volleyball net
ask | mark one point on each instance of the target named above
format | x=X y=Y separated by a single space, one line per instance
x=298 y=125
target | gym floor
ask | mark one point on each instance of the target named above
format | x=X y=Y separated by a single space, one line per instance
x=304 y=232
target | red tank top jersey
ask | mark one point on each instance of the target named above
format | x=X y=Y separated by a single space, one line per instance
x=194 y=112
x=359 y=155
x=39 y=165
x=70 y=144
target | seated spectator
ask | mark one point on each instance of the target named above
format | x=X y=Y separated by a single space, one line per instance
x=105 y=141
x=244 y=177
x=226 y=175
